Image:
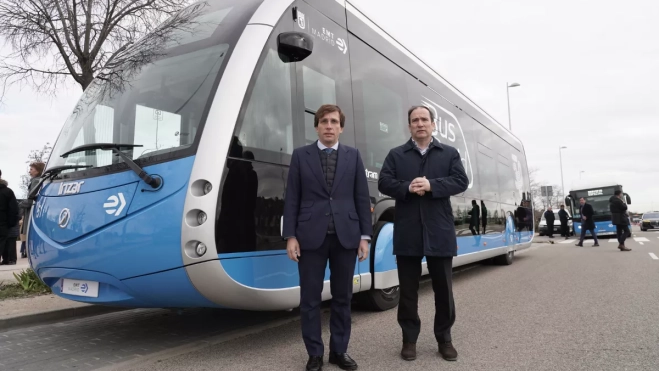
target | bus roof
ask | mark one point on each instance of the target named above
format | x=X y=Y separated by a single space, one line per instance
x=591 y=183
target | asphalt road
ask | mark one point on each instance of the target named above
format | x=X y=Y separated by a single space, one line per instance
x=557 y=307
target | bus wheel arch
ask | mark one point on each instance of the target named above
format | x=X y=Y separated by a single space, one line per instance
x=379 y=299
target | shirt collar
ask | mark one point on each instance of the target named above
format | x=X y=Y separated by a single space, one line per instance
x=322 y=146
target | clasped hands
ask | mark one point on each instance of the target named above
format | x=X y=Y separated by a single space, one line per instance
x=420 y=186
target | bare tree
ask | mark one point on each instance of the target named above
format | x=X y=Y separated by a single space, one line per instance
x=36 y=155
x=540 y=202
x=53 y=40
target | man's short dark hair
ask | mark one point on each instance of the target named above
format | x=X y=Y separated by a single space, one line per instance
x=0 y=173
x=328 y=108
x=409 y=114
x=582 y=198
x=617 y=192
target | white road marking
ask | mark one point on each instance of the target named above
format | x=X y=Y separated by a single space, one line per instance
x=567 y=241
x=641 y=243
x=613 y=240
x=653 y=256
x=639 y=239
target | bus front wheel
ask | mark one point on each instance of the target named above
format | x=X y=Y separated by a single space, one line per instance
x=381 y=299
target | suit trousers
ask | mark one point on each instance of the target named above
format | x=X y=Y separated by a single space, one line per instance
x=565 y=231
x=409 y=274
x=312 y=264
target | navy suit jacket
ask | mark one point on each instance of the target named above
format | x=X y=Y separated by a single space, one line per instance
x=309 y=201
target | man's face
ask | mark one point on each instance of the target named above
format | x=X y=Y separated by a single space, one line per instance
x=582 y=201
x=329 y=129
x=421 y=127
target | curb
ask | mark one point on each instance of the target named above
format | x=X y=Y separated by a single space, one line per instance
x=55 y=316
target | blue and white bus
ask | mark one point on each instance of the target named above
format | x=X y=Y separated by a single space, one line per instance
x=597 y=194
x=166 y=185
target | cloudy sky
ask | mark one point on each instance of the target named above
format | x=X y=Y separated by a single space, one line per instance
x=589 y=75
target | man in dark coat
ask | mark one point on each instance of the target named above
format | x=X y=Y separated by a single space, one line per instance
x=563 y=217
x=587 y=223
x=475 y=213
x=422 y=175
x=619 y=218
x=550 y=218
x=8 y=220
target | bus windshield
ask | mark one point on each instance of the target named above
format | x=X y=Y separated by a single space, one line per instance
x=159 y=90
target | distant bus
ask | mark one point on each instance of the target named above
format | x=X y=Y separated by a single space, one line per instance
x=598 y=197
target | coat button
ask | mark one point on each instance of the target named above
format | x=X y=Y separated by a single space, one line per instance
x=326 y=214
x=331 y=199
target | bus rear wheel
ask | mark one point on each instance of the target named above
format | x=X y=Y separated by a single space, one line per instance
x=506 y=259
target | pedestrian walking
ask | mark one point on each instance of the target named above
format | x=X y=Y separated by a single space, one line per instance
x=327 y=216
x=587 y=223
x=620 y=219
x=422 y=175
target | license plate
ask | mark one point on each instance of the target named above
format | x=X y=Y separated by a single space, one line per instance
x=79 y=288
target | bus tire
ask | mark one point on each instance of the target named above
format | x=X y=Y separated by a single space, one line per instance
x=506 y=259
x=381 y=299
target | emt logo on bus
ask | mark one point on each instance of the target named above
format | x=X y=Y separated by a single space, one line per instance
x=596 y=192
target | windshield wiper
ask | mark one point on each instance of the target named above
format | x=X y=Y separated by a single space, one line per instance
x=50 y=174
x=154 y=182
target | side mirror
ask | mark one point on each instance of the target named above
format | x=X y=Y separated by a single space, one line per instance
x=629 y=200
x=295 y=46
x=568 y=201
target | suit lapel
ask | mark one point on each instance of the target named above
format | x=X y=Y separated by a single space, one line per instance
x=341 y=165
x=314 y=162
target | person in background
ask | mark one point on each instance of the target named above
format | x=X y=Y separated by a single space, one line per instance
x=563 y=217
x=36 y=170
x=475 y=213
x=550 y=218
x=587 y=223
x=620 y=219
x=8 y=220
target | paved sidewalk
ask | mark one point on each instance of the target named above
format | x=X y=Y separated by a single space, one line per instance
x=6 y=271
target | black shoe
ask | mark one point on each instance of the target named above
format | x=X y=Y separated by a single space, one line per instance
x=580 y=245
x=342 y=360
x=596 y=244
x=447 y=351
x=315 y=363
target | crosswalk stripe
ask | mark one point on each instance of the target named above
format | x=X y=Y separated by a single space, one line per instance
x=639 y=239
x=613 y=240
x=653 y=256
x=567 y=241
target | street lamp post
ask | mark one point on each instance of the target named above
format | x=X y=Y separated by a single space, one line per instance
x=508 y=95
x=561 y=158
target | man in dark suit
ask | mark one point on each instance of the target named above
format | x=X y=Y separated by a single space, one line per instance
x=327 y=217
x=587 y=223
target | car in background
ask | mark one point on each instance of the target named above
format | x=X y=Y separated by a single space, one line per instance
x=542 y=226
x=650 y=220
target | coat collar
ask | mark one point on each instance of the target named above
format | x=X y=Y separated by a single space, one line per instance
x=434 y=144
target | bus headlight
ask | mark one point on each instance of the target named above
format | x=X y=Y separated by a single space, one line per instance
x=201 y=248
x=208 y=187
x=201 y=217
